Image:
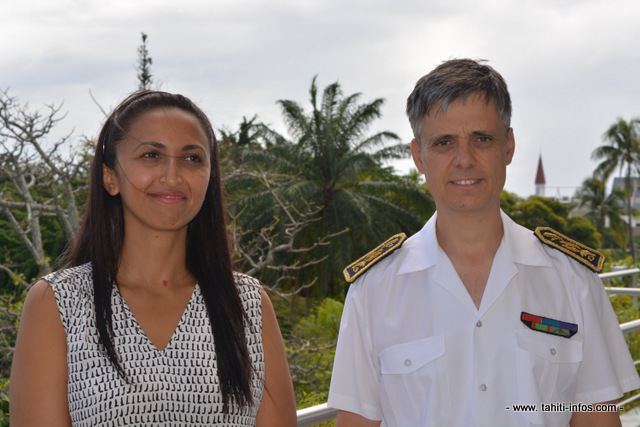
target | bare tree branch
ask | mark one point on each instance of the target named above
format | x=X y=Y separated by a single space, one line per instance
x=43 y=180
x=261 y=251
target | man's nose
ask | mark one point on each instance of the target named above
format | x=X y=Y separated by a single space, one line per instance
x=464 y=156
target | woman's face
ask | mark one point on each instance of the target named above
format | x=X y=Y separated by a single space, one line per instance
x=162 y=170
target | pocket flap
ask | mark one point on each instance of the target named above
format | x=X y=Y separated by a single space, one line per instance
x=407 y=357
x=553 y=349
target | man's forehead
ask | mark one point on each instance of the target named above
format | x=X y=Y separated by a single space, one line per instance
x=442 y=105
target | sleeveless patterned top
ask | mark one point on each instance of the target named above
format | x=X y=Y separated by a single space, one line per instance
x=177 y=386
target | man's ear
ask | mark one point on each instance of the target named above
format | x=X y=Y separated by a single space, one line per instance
x=417 y=155
x=109 y=180
x=511 y=145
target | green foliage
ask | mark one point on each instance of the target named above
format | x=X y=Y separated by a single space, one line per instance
x=10 y=308
x=508 y=201
x=543 y=212
x=621 y=151
x=603 y=208
x=582 y=230
x=330 y=165
x=539 y=211
x=310 y=349
x=627 y=311
x=4 y=402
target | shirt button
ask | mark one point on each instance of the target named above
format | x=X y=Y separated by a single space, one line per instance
x=483 y=387
x=407 y=363
x=479 y=324
x=552 y=351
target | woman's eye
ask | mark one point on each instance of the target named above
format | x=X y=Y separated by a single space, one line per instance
x=150 y=155
x=193 y=158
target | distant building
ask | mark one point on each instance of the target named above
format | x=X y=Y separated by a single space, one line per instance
x=540 y=181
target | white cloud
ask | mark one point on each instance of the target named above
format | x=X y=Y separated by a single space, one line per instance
x=571 y=65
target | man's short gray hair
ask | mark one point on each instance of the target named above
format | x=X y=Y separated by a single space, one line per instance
x=456 y=80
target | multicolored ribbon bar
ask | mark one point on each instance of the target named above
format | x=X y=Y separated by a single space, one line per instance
x=549 y=326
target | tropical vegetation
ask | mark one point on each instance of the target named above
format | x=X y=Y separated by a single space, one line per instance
x=605 y=211
x=621 y=151
x=301 y=206
x=329 y=165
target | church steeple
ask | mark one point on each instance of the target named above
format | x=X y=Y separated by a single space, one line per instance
x=540 y=181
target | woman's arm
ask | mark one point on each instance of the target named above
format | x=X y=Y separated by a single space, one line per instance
x=38 y=387
x=278 y=405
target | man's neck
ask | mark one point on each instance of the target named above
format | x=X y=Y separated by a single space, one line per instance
x=471 y=241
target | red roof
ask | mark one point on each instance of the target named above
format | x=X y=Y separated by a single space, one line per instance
x=540 y=174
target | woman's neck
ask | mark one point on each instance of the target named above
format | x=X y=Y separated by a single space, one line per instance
x=158 y=258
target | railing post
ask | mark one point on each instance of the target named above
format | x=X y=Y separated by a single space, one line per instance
x=634 y=284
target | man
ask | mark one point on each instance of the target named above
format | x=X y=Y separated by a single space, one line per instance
x=474 y=317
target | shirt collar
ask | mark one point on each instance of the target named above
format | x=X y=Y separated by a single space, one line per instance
x=422 y=248
x=522 y=245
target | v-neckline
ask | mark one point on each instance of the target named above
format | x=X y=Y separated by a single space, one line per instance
x=140 y=329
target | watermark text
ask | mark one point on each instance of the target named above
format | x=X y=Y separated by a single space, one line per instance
x=564 y=407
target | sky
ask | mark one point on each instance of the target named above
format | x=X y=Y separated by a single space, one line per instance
x=572 y=66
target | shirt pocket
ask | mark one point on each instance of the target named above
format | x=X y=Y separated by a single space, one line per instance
x=547 y=369
x=414 y=383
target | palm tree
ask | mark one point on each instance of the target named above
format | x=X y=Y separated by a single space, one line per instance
x=603 y=208
x=333 y=167
x=621 y=151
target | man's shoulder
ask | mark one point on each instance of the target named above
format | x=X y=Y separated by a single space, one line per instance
x=364 y=263
x=585 y=255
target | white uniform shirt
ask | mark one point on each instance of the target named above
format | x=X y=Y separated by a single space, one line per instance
x=414 y=350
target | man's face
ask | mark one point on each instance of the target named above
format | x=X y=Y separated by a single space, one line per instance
x=463 y=153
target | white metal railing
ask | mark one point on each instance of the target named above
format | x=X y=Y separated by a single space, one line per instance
x=623 y=291
x=315 y=415
x=633 y=272
x=322 y=413
x=632 y=290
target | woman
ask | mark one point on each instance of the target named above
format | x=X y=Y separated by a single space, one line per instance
x=147 y=324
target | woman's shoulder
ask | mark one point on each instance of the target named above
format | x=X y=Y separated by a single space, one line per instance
x=71 y=279
x=250 y=290
x=244 y=280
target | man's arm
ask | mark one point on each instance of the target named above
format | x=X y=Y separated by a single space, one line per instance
x=349 y=419
x=596 y=419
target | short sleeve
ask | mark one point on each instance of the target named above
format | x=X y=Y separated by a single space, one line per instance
x=73 y=294
x=607 y=370
x=355 y=381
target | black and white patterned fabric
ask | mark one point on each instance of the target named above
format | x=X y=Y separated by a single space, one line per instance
x=177 y=386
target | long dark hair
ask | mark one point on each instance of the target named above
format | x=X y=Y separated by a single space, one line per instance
x=101 y=234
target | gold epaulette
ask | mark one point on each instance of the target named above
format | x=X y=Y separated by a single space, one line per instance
x=358 y=267
x=584 y=254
